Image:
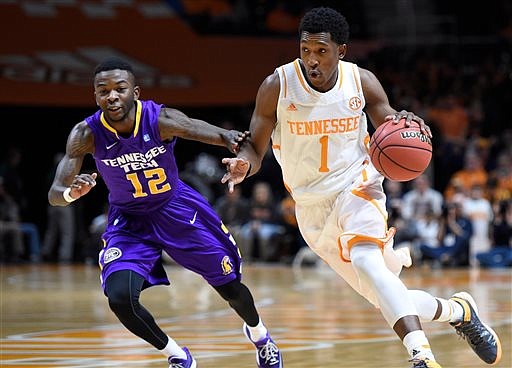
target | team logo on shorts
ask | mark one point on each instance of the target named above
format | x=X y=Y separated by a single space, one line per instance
x=111 y=255
x=227 y=265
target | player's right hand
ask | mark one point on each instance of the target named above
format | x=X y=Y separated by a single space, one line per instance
x=82 y=184
x=237 y=169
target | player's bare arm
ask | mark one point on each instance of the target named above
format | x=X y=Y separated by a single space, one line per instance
x=377 y=104
x=68 y=184
x=174 y=123
x=263 y=120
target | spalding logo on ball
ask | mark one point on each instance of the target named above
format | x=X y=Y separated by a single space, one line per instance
x=400 y=152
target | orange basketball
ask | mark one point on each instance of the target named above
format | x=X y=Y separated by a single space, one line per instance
x=400 y=152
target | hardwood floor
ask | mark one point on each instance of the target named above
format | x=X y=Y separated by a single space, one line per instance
x=57 y=316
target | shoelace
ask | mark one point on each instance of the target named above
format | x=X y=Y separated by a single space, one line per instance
x=473 y=333
x=419 y=363
x=177 y=365
x=269 y=352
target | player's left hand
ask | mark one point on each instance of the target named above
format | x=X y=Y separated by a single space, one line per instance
x=409 y=117
x=234 y=139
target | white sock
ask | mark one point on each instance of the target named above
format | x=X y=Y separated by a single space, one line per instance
x=427 y=306
x=257 y=332
x=417 y=345
x=457 y=312
x=173 y=350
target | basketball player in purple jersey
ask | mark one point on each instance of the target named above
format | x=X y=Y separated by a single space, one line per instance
x=152 y=210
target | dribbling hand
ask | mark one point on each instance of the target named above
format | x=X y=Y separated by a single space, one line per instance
x=409 y=117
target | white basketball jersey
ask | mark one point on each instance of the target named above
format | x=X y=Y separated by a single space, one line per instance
x=321 y=138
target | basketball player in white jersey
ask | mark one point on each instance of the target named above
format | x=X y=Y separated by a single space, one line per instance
x=313 y=110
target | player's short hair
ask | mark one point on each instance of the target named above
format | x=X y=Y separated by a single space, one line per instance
x=324 y=19
x=113 y=63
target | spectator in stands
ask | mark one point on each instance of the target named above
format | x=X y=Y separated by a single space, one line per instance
x=405 y=229
x=500 y=255
x=10 y=170
x=451 y=118
x=10 y=232
x=416 y=206
x=234 y=210
x=283 y=18
x=421 y=199
x=202 y=174
x=95 y=242
x=479 y=210
x=500 y=178
x=292 y=240
x=455 y=232
x=60 y=227
x=258 y=237
x=15 y=232
x=473 y=173
x=427 y=234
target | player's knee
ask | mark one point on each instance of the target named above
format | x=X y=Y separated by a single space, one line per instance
x=366 y=260
x=120 y=300
x=230 y=291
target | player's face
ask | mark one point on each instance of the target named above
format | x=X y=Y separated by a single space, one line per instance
x=320 y=56
x=115 y=93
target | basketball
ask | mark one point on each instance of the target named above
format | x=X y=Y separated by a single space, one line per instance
x=400 y=152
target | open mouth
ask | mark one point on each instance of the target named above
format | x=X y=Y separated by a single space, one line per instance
x=313 y=74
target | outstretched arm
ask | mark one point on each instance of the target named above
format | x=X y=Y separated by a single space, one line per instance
x=68 y=185
x=174 y=123
x=263 y=120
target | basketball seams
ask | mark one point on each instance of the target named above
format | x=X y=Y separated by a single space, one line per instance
x=383 y=130
x=389 y=162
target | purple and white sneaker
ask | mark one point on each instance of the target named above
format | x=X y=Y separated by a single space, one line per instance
x=267 y=352
x=189 y=362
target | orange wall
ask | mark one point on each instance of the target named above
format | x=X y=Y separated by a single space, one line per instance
x=212 y=70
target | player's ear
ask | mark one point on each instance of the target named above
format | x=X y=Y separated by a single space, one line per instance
x=136 y=92
x=342 y=51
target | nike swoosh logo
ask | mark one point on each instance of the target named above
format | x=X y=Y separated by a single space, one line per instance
x=112 y=145
x=193 y=219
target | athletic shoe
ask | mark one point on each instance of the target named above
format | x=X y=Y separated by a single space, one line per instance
x=424 y=363
x=267 y=352
x=480 y=337
x=189 y=362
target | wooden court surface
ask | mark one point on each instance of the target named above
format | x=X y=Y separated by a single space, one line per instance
x=57 y=316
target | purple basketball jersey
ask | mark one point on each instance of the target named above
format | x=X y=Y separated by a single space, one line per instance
x=151 y=210
x=140 y=170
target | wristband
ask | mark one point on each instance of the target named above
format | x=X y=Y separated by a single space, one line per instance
x=67 y=196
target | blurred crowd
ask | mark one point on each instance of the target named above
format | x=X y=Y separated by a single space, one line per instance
x=459 y=213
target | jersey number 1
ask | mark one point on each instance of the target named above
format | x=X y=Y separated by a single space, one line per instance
x=324 y=142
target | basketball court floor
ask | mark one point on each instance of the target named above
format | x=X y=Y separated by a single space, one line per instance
x=57 y=316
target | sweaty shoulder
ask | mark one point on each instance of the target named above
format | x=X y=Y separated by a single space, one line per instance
x=268 y=92
x=80 y=140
